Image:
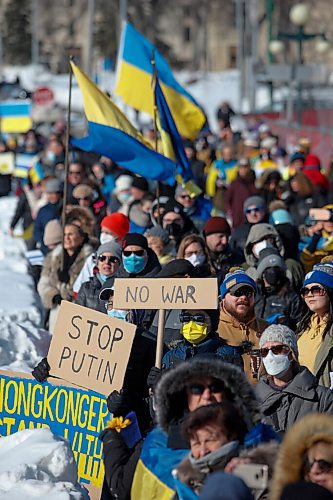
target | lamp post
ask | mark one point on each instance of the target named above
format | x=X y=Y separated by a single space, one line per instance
x=299 y=15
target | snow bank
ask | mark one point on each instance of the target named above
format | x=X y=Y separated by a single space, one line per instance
x=22 y=340
x=34 y=463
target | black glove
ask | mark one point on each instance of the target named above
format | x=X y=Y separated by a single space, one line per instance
x=57 y=299
x=63 y=275
x=153 y=376
x=41 y=371
x=116 y=404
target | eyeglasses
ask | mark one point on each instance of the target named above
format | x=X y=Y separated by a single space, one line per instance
x=197 y=318
x=84 y=198
x=198 y=389
x=139 y=253
x=244 y=291
x=110 y=260
x=323 y=465
x=276 y=349
x=316 y=291
x=254 y=210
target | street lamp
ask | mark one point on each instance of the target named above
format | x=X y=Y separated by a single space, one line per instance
x=299 y=15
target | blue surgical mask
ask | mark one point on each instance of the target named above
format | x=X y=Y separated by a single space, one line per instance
x=103 y=277
x=134 y=264
x=50 y=155
x=118 y=313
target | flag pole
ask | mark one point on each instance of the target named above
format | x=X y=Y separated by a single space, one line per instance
x=161 y=312
x=64 y=198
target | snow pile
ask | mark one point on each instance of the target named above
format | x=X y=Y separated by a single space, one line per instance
x=34 y=463
x=22 y=342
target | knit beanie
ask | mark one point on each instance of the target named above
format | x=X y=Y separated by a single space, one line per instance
x=117 y=223
x=256 y=201
x=110 y=246
x=271 y=260
x=279 y=333
x=173 y=206
x=321 y=273
x=140 y=183
x=53 y=234
x=216 y=225
x=158 y=232
x=135 y=239
x=234 y=280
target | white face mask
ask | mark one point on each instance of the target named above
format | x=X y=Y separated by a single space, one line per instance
x=196 y=260
x=276 y=364
x=105 y=238
x=257 y=247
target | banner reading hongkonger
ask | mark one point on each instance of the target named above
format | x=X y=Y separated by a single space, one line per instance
x=76 y=414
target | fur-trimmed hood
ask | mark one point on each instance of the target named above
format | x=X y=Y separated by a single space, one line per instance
x=170 y=393
x=257 y=233
x=308 y=431
x=84 y=215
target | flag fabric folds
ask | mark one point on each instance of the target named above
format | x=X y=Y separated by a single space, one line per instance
x=134 y=75
x=112 y=135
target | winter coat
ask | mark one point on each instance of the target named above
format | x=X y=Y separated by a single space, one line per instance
x=283 y=407
x=23 y=212
x=289 y=467
x=235 y=333
x=236 y=194
x=238 y=238
x=49 y=212
x=299 y=206
x=88 y=295
x=283 y=306
x=222 y=261
x=163 y=448
x=295 y=271
x=49 y=284
x=214 y=345
x=323 y=366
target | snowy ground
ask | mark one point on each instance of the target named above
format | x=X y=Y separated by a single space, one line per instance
x=22 y=340
x=37 y=464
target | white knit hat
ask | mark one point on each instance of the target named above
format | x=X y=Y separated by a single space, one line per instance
x=279 y=333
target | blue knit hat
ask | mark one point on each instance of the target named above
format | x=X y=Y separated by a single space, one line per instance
x=321 y=273
x=235 y=280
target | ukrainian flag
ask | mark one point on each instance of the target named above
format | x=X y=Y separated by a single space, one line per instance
x=134 y=76
x=112 y=135
x=15 y=117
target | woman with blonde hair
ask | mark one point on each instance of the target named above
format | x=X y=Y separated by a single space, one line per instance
x=193 y=248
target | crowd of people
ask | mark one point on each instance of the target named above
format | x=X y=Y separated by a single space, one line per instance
x=242 y=404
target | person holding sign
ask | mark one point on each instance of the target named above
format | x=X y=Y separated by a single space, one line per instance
x=200 y=337
x=107 y=262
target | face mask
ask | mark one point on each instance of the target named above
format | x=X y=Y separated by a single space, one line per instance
x=274 y=276
x=118 y=313
x=50 y=155
x=276 y=364
x=196 y=260
x=123 y=197
x=257 y=247
x=173 y=229
x=105 y=238
x=134 y=264
x=103 y=277
x=193 y=332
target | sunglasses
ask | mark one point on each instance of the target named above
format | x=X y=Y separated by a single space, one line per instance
x=183 y=196
x=85 y=198
x=323 y=465
x=199 y=389
x=197 y=318
x=74 y=172
x=254 y=210
x=276 y=349
x=139 y=253
x=244 y=291
x=110 y=260
x=316 y=291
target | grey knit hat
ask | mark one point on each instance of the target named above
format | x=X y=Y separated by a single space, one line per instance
x=110 y=246
x=255 y=200
x=158 y=232
x=279 y=333
x=271 y=260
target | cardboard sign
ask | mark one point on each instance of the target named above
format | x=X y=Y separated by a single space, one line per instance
x=76 y=414
x=165 y=293
x=90 y=349
x=7 y=163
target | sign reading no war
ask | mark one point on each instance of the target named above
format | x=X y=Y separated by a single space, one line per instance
x=90 y=349
x=166 y=293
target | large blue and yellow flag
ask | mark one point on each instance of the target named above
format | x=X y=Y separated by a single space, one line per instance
x=112 y=135
x=134 y=75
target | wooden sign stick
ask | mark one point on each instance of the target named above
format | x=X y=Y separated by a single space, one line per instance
x=160 y=338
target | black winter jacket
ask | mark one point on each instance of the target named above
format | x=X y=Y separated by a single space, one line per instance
x=88 y=294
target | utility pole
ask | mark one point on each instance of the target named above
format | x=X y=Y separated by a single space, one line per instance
x=122 y=16
x=240 y=49
x=90 y=38
x=34 y=33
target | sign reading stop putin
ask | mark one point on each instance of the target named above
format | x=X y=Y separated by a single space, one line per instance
x=43 y=96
